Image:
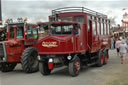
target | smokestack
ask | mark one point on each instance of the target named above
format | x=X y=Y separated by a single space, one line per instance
x=0 y=14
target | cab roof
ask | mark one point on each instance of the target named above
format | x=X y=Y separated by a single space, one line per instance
x=64 y=22
x=30 y=24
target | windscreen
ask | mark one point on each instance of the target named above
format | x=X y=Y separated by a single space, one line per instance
x=61 y=29
x=20 y=32
x=43 y=27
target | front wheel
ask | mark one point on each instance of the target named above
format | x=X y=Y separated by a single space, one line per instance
x=105 y=57
x=7 y=67
x=74 y=67
x=29 y=60
x=43 y=68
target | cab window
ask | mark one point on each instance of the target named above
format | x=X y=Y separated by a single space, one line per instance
x=98 y=28
x=76 y=27
x=28 y=30
x=105 y=29
x=35 y=33
x=61 y=29
x=102 y=27
x=79 y=19
x=20 y=32
x=66 y=18
x=11 y=33
x=94 y=28
x=88 y=22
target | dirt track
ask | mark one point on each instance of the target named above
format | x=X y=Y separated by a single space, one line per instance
x=89 y=76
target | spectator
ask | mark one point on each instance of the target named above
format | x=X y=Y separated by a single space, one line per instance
x=112 y=43
x=127 y=40
x=118 y=42
x=123 y=51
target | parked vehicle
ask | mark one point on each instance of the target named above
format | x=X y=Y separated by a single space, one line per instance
x=78 y=36
x=19 y=46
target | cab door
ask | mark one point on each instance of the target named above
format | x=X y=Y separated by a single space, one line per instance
x=92 y=34
x=31 y=35
x=76 y=38
x=16 y=42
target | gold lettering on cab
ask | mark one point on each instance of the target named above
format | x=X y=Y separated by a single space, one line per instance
x=49 y=44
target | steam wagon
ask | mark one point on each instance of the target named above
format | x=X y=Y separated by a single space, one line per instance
x=77 y=36
x=19 y=46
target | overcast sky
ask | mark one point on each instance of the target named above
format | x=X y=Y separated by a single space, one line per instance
x=39 y=10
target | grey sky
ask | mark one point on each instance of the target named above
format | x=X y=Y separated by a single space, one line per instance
x=39 y=10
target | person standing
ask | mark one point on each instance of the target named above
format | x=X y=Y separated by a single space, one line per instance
x=127 y=40
x=123 y=51
x=112 y=43
x=118 y=42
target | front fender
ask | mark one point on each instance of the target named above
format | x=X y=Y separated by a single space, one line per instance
x=75 y=56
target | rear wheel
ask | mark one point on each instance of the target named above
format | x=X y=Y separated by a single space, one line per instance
x=74 y=67
x=100 y=58
x=105 y=57
x=7 y=67
x=43 y=68
x=29 y=60
x=0 y=67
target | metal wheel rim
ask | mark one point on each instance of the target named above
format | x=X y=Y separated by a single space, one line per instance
x=77 y=66
x=101 y=59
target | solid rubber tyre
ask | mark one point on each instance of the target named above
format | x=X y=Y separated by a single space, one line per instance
x=43 y=68
x=105 y=57
x=74 y=67
x=29 y=60
x=100 y=58
x=7 y=67
x=0 y=67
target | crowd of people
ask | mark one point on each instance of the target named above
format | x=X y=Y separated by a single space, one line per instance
x=121 y=46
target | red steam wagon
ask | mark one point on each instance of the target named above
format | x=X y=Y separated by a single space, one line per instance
x=77 y=36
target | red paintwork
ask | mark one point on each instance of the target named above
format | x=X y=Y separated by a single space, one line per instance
x=50 y=65
x=40 y=23
x=76 y=66
x=106 y=58
x=61 y=43
x=91 y=43
x=64 y=43
x=101 y=59
x=15 y=47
